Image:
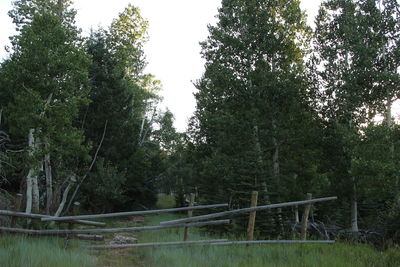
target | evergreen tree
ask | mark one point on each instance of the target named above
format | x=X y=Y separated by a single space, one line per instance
x=123 y=108
x=252 y=103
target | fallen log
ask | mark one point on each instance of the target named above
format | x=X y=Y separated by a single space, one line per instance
x=251 y=209
x=41 y=216
x=132 y=213
x=110 y=230
x=161 y=244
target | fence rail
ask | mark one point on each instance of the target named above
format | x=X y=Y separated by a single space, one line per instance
x=41 y=216
x=245 y=210
x=161 y=244
x=133 y=213
x=109 y=230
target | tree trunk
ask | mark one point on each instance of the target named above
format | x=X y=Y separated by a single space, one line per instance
x=389 y=124
x=296 y=214
x=258 y=152
x=276 y=172
x=35 y=194
x=49 y=181
x=32 y=187
x=72 y=180
x=354 y=213
x=260 y=163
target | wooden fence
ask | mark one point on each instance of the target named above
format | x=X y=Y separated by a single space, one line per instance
x=186 y=223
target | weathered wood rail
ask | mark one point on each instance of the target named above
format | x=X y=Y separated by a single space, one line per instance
x=245 y=210
x=132 y=213
x=271 y=242
x=41 y=216
x=196 y=221
x=109 y=230
x=159 y=244
x=217 y=242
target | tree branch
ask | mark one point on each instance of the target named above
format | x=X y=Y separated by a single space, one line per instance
x=89 y=170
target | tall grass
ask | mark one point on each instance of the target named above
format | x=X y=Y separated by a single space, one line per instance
x=275 y=255
x=21 y=251
x=340 y=254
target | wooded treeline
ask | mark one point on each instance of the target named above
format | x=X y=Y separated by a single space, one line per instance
x=79 y=116
x=281 y=109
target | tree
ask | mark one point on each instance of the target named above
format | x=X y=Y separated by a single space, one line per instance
x=126 y=98
x=44 y=84
x=355 y=44
x=251 y=101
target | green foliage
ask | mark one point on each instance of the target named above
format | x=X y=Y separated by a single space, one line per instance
x=253 y=120
x=104 y=191
x=43 y=87
x=355 y=47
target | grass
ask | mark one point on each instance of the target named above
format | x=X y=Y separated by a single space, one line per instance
x=339 y=254
x=21 y=251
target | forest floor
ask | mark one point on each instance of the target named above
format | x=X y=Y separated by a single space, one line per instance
x=43 y=252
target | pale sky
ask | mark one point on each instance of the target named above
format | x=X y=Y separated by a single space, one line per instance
x=173 y=51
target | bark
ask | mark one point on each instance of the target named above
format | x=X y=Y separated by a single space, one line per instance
x=90 y=168
x=49 y=181
x=260 y=162
x=296 y=214
x=276 y=171
x=35 y=194
x=32 y=184
x=72 y=180
x=389 y=124
x=31 y=178
x=143 y=135
x=354 y=211
x=258 y=152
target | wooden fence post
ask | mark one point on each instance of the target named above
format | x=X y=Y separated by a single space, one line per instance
x=304 y=221
x=17 y=207
x=252 y=216
x=190 y=214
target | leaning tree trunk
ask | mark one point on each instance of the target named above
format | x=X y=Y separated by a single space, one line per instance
x=71 y=181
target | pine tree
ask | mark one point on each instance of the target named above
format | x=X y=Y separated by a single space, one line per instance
x=251 y=100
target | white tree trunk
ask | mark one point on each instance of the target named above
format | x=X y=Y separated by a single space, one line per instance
x=276 y=171
x=49 y=181
x=389 y=124
x=35 y=193
x=354 y=211
x=296 y=214
x=261 y=166
x=258 y=152
x=31 y=173
x=72 y=180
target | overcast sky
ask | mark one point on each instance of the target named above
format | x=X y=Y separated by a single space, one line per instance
x=176 y=28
